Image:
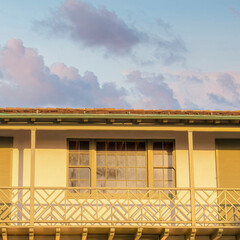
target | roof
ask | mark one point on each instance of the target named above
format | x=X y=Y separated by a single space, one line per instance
x=115 y=111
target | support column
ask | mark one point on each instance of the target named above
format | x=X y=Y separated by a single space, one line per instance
x=191 y=176
x=32 y=175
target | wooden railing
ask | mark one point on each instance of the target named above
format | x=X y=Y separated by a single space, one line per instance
x=119 y=207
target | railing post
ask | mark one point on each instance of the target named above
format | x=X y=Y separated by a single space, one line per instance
x=32 y=175
x=191 y=176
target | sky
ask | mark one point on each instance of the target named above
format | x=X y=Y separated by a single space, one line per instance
x=141 y=54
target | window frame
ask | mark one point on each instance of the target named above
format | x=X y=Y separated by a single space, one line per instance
x=149 y=160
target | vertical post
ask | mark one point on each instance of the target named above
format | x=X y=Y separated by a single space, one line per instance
x=150 y=163
x=32 y=175
x=93 y=168
x=191 y=175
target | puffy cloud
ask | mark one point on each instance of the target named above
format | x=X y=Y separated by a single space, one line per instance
x=210 y=90
x=152 y=91
x=27 y=81
x=94 y=27
x=100 y=28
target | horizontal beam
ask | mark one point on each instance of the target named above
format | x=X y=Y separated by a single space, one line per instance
x=122 y=128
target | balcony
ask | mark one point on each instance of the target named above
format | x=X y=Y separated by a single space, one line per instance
x=118 y=207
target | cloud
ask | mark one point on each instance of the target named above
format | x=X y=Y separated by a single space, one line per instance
x=210 y=90
x=100 y=28
x=93 y=27
x=152 y=91
x=26 y=81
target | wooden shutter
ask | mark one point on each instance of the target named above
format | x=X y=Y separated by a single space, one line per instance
x=228 y=163
x=6 y=145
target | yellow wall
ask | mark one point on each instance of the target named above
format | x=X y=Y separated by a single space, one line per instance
x=51 y=154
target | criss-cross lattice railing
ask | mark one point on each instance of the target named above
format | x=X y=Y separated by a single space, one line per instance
x=217 y=206
x=14 y=206
x=108 y=206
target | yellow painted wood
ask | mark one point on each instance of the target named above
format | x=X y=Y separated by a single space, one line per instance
x=31 y=234
x=84 y=234
x=6 y=152
x=138 y=234
x=191 y=234
x=228 y=162
x=217 y=234
x=111 y=127
x=58 y=232
x=6 y=158
x=93 y=163
x=111 y=234
x=150 y=163
x=4 y=234
x=32 y=176
x=164 y=234
x=191 y=175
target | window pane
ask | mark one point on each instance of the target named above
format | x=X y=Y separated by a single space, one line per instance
x=100 y=146
x=141 y=160
x=121 y=159
x=131 y=174
x=131 y=161
x=73 y=158
x=101 y=173
x=158 y=184
x=74 y=145
x=101 y=160
x=110 y=146
x=84 y=159
x=130 y=146
x=84 y=145
x=84 y=173
x=111 y=159
x=83 y=183
x=157 y=174
x=73 y=173
x=121 y=173
x=121 y=146
x=73 y=184
x=111 y=173
x=141 y=173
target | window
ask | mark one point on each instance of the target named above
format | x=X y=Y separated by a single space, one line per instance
x=121 y=164
x=79 y=169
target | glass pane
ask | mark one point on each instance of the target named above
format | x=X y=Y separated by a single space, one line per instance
x=131 y=161
x=111 y=160
x=158 y=159
x=131 y=146
x=132 y=184
x=73 y=173
x=84 y=145
x=157 y=146
x=74 y=145
x=121 y=173
x=101 y=160
x=131 y=174
x=110 y=146
x=73 y=158
x=73 y=184
x=101 y=183
x=83 y=183
x=111 y=173
x=100 y=146
x=157 y=174
x=121 y=146
x=141 y=146
x=121 y=160
x=84 y=173
x=158 y=184
x=141 y=184
x=101 y=173
x=121 y=184
x=141 y=160
x=141 y=173
x=84 y=159
x=110 y=184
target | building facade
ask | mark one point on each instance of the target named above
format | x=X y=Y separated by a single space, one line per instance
x=119 y=174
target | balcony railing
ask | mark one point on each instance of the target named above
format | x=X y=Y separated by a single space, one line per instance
x=52 y=206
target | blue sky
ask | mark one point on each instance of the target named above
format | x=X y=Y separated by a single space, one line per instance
x=152 y=54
